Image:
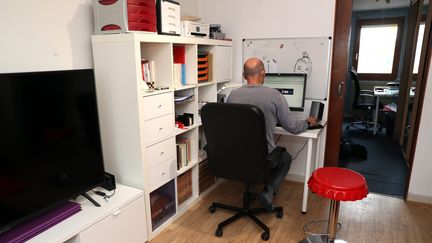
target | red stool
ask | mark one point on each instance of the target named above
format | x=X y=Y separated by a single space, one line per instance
x=337 y=184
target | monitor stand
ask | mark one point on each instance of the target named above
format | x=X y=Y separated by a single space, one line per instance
x=91 y=199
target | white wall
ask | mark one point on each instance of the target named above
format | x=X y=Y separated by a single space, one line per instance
x=45 y=35
x=421 y=175
x=242 y=19
x=50 y=34
x=189 y=7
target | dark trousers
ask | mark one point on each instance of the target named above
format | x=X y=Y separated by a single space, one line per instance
x=280 y=163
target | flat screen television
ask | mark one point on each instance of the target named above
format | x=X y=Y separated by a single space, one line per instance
x=291 y=85
x=50 y=148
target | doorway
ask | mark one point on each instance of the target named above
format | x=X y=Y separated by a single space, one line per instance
x=372 y=146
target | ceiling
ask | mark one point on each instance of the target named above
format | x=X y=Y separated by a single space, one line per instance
x=359 y=5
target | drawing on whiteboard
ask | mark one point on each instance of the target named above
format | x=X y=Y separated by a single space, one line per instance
x=304 y=65
x=270 y=64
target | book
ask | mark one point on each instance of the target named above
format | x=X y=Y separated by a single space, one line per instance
x=188 y=146
x=147 y=69
x=177 y=74
x=181 y=155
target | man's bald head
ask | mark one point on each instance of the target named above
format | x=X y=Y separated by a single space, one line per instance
x=253 y=71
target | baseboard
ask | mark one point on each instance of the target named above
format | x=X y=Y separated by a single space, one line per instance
x=295 y=177
x=419 y=198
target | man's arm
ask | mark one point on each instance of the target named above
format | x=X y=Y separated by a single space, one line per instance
x=286 y=119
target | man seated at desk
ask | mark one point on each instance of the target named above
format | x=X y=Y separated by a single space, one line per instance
x=276 y=110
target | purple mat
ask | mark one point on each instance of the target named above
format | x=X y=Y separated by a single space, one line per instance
x=30 y=229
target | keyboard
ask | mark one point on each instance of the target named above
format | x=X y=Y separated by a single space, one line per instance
x=317 y=126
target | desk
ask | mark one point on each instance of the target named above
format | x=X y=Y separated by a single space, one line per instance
x=385 y=91
x=312 y=136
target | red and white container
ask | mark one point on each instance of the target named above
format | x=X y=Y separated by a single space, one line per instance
x=120 y=16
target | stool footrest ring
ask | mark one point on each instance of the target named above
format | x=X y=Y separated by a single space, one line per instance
x=307 y=231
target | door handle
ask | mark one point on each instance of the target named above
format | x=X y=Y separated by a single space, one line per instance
x=341 y=83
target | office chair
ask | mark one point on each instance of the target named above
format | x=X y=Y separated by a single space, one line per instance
x=364 y=100
x=237 y=150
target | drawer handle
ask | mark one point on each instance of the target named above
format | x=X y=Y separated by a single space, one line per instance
x=160 y=129
x=116 y=213
x=163 y=174
x=159 y=106
x=162 y=153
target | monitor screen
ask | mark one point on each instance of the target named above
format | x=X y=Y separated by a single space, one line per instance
x=50 y=148
x=291 y=85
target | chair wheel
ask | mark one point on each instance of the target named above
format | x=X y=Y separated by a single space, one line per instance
x=279 y=214
x=219 y=232
x=265 y=236
x=212 y=209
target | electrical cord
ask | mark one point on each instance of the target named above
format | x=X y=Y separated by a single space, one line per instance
x=104 y=195
x=298 y=152
x=277 y=140
x=304 y=145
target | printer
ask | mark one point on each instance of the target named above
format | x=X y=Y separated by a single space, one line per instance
x=192 y=28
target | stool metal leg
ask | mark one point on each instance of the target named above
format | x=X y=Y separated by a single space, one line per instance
x=333 y=219
x=332 y=227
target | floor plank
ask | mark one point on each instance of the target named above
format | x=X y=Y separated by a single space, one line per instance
x=376 y=218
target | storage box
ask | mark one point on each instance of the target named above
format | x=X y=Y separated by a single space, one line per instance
x=206 y=179
x=203 y=67
x=168 y=17
x=120 y=16
x=184 y=187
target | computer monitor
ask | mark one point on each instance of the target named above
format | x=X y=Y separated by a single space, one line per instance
x=291 y=85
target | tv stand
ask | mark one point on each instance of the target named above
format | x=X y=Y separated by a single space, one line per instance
x=91 y=199
x=121 y=217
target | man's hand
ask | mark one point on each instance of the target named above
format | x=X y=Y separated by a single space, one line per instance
x=312 y=121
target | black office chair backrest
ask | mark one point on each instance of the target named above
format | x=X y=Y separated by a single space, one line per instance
x=354 y=77
x=236 y=141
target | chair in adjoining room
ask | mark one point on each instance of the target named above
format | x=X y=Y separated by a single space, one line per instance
x=336 y=184
x=364 y=103
x=237 y=150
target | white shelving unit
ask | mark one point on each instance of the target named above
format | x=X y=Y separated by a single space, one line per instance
x=138 y=126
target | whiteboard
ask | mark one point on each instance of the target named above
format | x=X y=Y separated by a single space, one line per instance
x=310 y=55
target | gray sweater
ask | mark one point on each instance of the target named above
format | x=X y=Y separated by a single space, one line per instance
x=273 y=105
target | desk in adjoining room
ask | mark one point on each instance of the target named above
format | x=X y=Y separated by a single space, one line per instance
x=385 y=91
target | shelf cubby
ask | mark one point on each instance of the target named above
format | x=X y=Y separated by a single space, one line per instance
x=162 y=204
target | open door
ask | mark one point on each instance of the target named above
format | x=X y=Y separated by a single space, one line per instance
x=338 y=80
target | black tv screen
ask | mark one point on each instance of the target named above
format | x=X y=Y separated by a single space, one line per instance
x=50 y=149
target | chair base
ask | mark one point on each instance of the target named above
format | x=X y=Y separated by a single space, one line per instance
x=321 y=239
x=245 y=211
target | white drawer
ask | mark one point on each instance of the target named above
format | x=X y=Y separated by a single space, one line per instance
x=158 y=129
x=170 y=8
x=127 y=224
x=160 y=152
x=171 y=27
x=157 y=105
x=162 y=173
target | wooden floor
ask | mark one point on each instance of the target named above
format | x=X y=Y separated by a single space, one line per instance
x=374 y=219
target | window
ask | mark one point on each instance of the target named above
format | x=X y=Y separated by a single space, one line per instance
x=377 y=48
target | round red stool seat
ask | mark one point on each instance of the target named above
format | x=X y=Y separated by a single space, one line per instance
x=338 y=184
